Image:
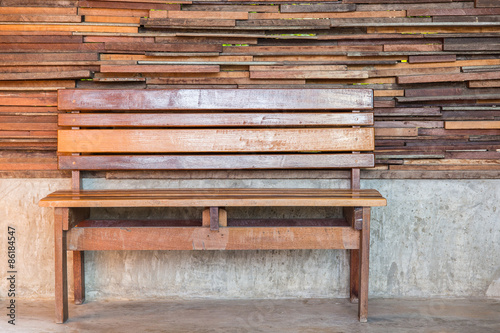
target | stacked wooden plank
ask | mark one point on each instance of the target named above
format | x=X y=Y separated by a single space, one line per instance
x=434 y=66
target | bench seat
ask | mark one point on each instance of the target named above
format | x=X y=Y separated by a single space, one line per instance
x=239 y=197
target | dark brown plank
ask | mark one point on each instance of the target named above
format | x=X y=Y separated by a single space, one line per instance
x=303 y=161
x=486 y=3
x=214 y=119
x=216 y=99
x=432 y=58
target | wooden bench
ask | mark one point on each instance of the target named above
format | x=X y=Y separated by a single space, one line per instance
x=213 y=129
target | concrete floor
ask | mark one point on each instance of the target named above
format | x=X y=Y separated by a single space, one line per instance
x=305 y=315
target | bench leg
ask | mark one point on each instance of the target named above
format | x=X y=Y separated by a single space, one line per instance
x=61 y=275
x=354 y=276
x=79 y=276
x=364 y=254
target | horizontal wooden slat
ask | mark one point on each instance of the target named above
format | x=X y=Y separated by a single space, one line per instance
x=216 y=99
x=197 y=238
x=204 y=162
x=214 y=119
x=216 y=140
x=214 y=198
x=159 y=69
x=472 y=125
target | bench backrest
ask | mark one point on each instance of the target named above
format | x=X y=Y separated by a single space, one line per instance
x=215 y=129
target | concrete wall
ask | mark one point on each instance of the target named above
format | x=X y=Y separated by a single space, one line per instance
x=435 y=238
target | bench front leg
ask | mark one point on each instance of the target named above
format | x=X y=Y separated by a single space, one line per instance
x=364 y=257
x=61 y=274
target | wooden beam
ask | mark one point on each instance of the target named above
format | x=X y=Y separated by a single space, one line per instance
x=198 y=238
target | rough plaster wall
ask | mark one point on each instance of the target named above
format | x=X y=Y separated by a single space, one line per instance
x=436 y=237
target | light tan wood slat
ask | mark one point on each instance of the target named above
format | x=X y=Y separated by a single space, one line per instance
x=215 y=119
x=216 y=99
x=217 y=140
x=356 y=198
x=197 y=238
x=214 y=162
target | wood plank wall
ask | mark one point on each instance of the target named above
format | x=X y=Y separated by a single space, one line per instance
x=434 y=65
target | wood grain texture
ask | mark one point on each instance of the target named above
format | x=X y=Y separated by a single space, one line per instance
x=445 y=50
x=214 y=119
x=213 y=198
x=217 y=140
x=216 y=162
x=215 y=99
x=230 y=238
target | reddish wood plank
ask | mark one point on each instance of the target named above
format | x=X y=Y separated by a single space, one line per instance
x=160 y=69
x=40 y=40
x=8 y=9
x=40 y=18
x=216 y=99
x=46 y=76
x=217 y=140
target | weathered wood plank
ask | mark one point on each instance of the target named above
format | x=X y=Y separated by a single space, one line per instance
x=432 y=59
x=450 y=12
x=230 y=238
x=217 y=140
x=141 y=47
x=317 y=8
x=214 y=119
x=224 y=100
x=160 y=69
x=179 y=162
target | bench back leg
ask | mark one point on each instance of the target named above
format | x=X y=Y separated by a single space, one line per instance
x=364 y=254
x=79 y=276
x=61 y=272
x=354 y=276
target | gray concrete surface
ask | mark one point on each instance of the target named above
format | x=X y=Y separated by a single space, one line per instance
x=241 y=316
x=435 y=238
